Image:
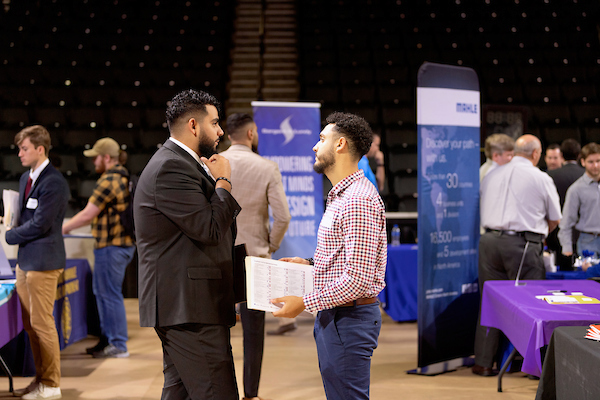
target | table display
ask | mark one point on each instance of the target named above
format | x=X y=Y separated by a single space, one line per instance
x=528 y=322
x=10 y=313
x=73 y=294
x=74 y=307
x=571 y=366
x=399 y=298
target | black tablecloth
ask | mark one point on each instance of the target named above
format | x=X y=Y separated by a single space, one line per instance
x=571 y=366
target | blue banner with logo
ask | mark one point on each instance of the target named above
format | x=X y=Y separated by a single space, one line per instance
x=288 y=131
x=448 y=119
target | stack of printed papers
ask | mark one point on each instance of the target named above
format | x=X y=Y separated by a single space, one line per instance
x=564 y=298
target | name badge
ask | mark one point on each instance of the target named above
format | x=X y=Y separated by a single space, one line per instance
x=327 y=220
x=32 y=203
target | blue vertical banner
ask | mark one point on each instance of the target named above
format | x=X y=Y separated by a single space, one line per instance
x=287 y=133
x=448 y=119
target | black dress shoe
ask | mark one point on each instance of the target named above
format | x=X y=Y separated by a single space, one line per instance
x=484 y=371
x=98 y=347
x=283 y=329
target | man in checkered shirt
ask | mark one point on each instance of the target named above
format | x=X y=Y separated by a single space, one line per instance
x=349 y=262
x=114 y=248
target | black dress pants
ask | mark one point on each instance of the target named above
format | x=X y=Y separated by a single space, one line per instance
x=198 y=362
x=499 y=259
x=253 y=324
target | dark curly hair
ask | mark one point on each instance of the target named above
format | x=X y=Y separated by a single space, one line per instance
x=355 y=129
x=189 y=101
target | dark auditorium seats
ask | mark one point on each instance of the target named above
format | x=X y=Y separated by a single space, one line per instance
x=91 y=69
x=539 y=56
x=87 y=70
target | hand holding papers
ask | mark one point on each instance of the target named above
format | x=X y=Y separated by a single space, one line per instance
x=11 y=208
x=269 y=279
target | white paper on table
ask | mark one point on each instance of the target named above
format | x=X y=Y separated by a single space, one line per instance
x=268 y=279
x=12 y=210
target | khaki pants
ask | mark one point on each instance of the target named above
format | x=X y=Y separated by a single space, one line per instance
x=37 y=292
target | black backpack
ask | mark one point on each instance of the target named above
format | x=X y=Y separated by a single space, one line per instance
x=126 y=215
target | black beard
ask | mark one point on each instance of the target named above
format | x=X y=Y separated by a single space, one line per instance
x=207 y=148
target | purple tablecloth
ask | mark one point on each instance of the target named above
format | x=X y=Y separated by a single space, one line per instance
x=529 y=322
x=11 y=322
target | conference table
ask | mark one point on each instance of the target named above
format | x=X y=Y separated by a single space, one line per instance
x=528 y=322
x=73 y=308
x=399 y=298
x=571 y=366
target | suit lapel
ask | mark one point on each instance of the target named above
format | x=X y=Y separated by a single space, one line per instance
x=185 y=155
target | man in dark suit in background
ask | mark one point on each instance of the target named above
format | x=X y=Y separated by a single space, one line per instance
x=570 y=171
x=563 y=178
x=184 y=217
x=43 y=195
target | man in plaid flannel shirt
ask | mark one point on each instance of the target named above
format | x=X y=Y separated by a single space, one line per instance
x=114 y=248
x=349 y=262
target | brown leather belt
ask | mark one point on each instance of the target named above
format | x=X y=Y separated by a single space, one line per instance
x=359 y=302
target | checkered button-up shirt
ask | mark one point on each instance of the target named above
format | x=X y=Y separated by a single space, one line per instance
x=111 y=196
x=351 y=254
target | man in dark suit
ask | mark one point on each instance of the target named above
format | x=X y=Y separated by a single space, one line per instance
x=43 y=194
x=184 y=217
x=563 y=178
x=570 y=171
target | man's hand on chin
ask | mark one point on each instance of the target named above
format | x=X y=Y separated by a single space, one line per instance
x=292 y=306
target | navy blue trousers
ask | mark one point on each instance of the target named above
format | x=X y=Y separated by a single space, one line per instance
x=346 y=338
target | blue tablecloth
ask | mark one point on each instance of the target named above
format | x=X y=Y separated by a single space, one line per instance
x=399 y=298
x=566 y=275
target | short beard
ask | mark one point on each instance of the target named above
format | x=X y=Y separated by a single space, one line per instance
x=325 y=161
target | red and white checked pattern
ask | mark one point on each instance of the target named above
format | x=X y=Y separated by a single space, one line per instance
x=351 y=253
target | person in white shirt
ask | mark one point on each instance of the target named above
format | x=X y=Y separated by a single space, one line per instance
x=498 y=149
x=519 y=206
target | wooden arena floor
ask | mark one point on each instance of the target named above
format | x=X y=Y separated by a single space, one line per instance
x=290 y=369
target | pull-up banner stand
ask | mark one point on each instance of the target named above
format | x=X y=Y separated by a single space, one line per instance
x=287 y=133
x=448 y=119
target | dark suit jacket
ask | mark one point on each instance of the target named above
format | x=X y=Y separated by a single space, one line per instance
x=185 y=242
x=39 y=233
x=564 y=177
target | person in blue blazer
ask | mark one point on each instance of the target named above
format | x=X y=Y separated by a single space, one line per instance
x=43 y=195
